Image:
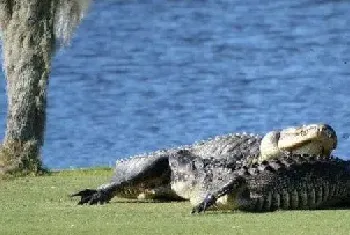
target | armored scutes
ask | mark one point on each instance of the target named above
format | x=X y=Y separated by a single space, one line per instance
x=150 y=175
x=285 y=183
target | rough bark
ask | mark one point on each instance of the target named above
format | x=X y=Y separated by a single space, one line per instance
x=28 y=42
x=29 y=37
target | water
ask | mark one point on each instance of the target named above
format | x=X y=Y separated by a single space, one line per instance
x=145 y=75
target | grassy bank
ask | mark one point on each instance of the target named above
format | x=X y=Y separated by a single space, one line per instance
x=40 y=205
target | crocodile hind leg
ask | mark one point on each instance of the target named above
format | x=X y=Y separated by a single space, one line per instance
x=93 y=196
x=150 y=177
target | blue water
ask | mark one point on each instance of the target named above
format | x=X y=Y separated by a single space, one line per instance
x=144 y=75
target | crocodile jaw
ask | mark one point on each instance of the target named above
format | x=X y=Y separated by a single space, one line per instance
x=313 y=139
x=320 y=134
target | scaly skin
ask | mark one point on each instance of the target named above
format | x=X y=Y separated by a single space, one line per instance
x=287 y=184
x=150 y=175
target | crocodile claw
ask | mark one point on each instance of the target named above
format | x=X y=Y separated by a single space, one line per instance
x=197 y=209
x=202 y=207
x=92 y=196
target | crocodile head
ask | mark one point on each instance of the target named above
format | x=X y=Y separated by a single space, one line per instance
x=312 y=139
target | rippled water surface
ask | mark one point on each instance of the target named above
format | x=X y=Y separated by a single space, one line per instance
x=144 y=75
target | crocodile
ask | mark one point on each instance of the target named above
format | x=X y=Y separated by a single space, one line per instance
x=149 y=176
x=285 y=183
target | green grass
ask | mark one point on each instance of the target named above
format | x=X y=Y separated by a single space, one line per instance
x=40 y=205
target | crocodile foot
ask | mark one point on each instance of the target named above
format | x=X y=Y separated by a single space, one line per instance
x=207 y=202
x=92 y=196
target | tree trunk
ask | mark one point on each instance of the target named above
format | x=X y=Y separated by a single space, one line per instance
x=28 y=41
x=29 y=30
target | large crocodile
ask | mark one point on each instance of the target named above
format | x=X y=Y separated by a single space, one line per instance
x=285 y=183
x=149 y=175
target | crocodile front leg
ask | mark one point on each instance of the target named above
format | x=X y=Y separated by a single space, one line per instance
x=211 y=199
